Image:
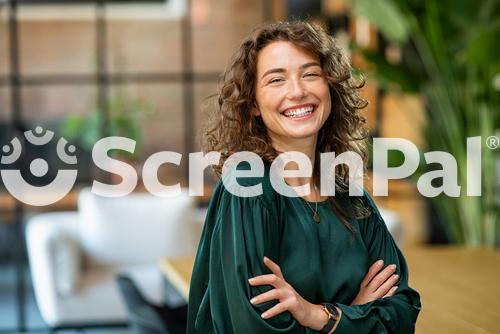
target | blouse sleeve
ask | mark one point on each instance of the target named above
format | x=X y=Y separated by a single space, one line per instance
x=396 y=314
x=244 y=231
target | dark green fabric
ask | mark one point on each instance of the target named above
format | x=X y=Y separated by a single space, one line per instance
x=323 y=262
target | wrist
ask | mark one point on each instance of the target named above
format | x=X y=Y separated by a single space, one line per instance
x=317 y=318
x=334 y=314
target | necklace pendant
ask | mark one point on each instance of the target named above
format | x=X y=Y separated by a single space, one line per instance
x=316 y=217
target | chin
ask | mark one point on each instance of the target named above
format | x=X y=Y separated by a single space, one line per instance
x=302 y=134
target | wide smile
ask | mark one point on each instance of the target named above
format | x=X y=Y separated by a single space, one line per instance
x=300 y=112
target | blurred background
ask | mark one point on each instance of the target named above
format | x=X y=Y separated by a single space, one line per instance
x=144 y=70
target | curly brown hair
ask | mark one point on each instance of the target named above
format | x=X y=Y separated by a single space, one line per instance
x=232 y=128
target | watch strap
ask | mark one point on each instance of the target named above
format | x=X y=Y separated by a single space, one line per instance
x=333 y=316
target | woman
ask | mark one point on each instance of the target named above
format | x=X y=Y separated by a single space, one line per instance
x=277 y=264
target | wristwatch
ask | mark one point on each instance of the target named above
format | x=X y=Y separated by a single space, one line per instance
x=333 y=317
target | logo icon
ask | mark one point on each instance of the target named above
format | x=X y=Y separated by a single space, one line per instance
x=38 y=195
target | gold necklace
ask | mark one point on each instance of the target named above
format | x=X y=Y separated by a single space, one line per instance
x=316 y=217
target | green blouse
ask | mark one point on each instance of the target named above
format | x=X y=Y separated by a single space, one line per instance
x=324 y=262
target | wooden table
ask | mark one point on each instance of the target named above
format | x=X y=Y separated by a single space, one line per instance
x=178 y=272
x=459 y=288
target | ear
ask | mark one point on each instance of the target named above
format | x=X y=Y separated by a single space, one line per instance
x=255 y=110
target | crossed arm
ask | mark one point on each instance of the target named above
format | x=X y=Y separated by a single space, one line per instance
x=379 y=282
x=222 y=300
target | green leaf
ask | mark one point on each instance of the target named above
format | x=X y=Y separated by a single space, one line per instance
x=388 y=74
x=386 y=16
x=72 y=126
x=483 y=48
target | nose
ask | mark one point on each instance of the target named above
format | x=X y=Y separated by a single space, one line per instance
x=296 y=90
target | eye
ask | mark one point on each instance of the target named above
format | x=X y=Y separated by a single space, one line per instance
x=312 y=74
x=275 y=80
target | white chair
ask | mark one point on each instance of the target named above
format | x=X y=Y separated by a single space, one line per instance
x=74 y=256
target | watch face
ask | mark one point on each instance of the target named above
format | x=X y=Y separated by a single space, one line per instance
x=332 y=309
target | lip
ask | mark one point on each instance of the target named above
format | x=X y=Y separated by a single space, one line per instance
x=300 y=106
x=300 y=118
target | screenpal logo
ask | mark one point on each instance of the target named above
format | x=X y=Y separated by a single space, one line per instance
x=65 y=179
x=38 y=195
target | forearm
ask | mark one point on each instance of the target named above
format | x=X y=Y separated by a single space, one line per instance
x=393 y=315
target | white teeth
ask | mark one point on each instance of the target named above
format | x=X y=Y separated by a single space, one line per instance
x=299 y=112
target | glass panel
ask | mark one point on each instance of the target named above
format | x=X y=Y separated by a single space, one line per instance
x=4 y=40
x=203 y=102
x=4 y=105
x=57 y=47
x=34 y=320
x=51 y=103
x=218 y=29
x=160 y=122
x=53 y=108
x=160 y=114
x=5 y=137
x=144 y=46
x=8 y=316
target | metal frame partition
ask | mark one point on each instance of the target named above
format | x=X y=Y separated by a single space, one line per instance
x=102 y=79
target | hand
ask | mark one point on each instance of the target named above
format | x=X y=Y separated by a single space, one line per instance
x=289 y=299
x=377 y=283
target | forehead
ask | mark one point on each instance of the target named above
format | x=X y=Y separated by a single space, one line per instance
x=283 y=54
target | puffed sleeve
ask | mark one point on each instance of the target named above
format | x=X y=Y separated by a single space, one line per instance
x=238 y=233
x=396 y=314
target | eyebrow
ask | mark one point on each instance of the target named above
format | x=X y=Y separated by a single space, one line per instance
x=281 y=70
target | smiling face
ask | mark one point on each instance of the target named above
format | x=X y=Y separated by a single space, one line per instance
x=292 y=94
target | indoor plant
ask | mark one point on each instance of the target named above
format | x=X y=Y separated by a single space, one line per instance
x=451 y=56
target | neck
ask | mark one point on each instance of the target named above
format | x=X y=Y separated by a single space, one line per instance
x=303 y=145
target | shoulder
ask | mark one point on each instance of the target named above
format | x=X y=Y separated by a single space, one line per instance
x=372 y=223
x=229 y=212
x=370 y=206
x=247 y=184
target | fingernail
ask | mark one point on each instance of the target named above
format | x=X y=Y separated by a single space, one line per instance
x=396 y=276
x=393 y=266
x=380 y=262
x=250 y=280
x=252 y=301
x=263 y=315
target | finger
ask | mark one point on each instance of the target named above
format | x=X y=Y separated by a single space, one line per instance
x=269 y=279
x=265 y=297
x=273 y=266
x=391 y=292
x=381 y=277
x=374 y=269
x=274 y=311
x=387 y=286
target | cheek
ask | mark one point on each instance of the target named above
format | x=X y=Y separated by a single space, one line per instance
x=327 y=102
x=324 y=95
x=325 y=91
x=268 y=101
x=269 y=119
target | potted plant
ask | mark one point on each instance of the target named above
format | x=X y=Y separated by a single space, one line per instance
x=124 y=119
x=451 y=57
